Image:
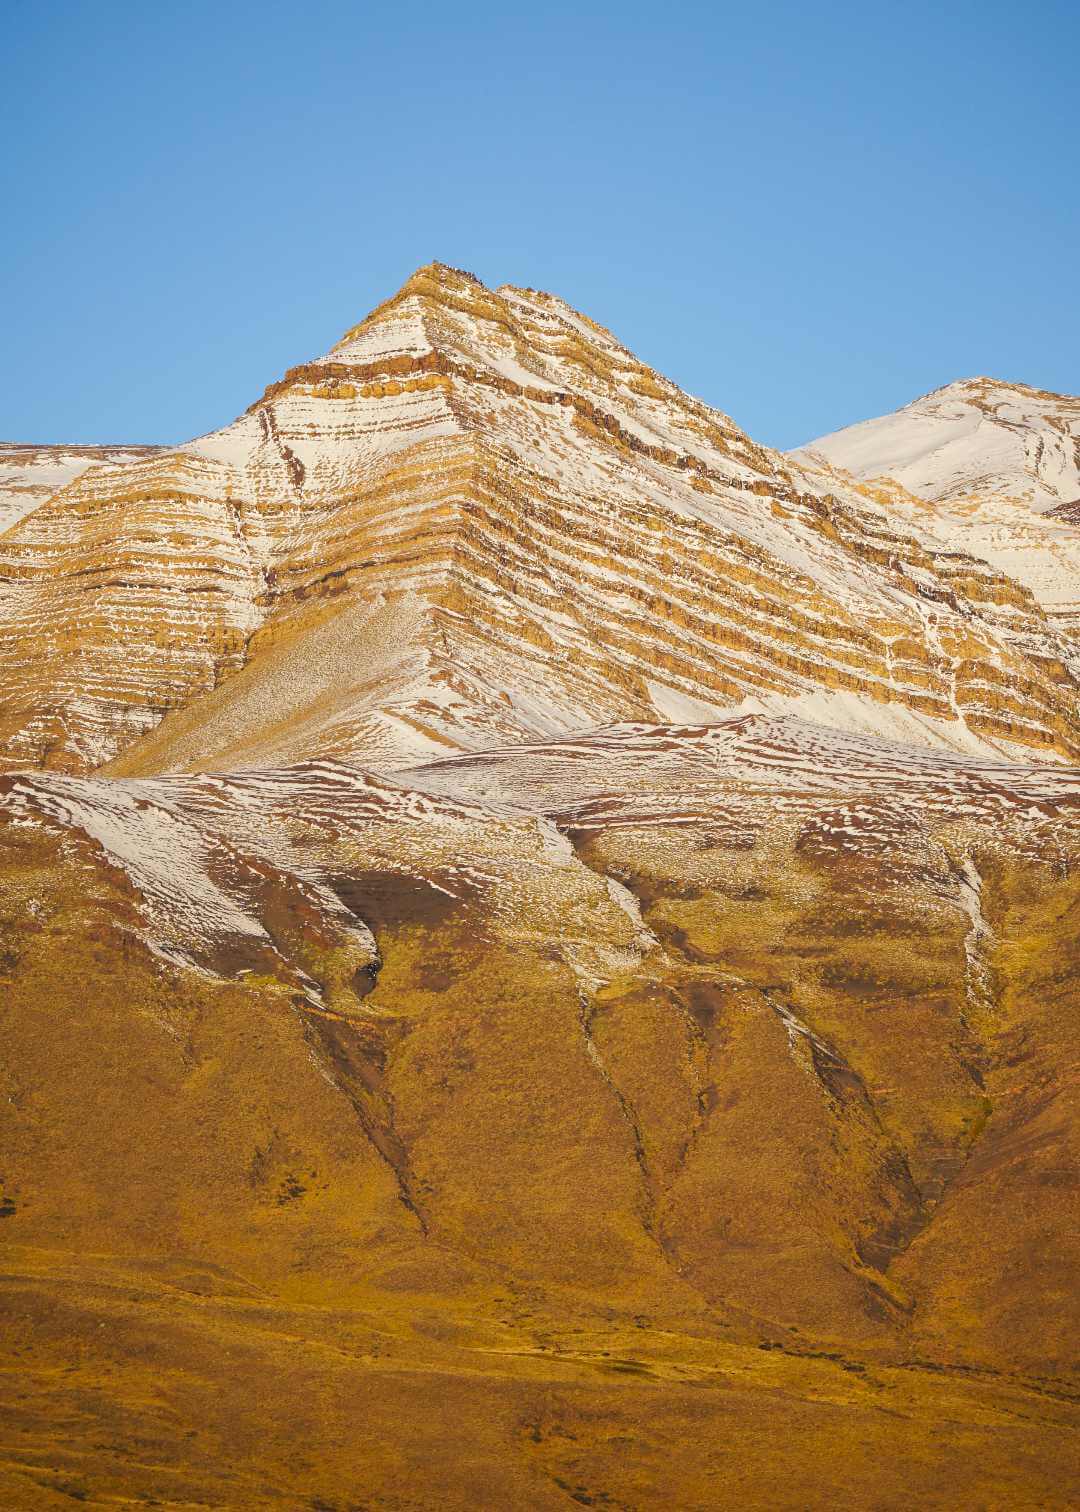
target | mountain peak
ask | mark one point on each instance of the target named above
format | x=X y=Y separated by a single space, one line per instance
x=975 y=437
x=480 y=519
x=982 y=389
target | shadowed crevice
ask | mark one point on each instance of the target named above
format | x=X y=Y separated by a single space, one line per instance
x=355 y=1059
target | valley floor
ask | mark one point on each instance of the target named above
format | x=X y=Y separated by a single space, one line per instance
x=182 y=1386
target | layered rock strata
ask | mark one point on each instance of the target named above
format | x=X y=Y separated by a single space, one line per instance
x=29 y=475
x=539 y=532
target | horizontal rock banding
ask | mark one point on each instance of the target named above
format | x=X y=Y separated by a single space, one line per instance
x=580 y=536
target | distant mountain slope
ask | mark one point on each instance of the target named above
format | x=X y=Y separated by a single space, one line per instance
x=558 y=536
x=31 y=474
x=975 y=438
x=990 y=468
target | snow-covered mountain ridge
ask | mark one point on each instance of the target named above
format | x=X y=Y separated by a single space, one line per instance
x=976 y=438
x=31 y=474
x=983 y=466
x=480 y=519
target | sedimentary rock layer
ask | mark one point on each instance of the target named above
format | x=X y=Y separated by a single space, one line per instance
x=31 y=474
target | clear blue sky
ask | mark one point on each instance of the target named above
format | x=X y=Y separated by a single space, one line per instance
x=805 y=213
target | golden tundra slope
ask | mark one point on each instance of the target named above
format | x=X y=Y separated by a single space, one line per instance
x=668 y=1117
x=480 y=518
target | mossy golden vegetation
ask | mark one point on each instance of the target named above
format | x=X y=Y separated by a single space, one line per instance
x=753 y=1219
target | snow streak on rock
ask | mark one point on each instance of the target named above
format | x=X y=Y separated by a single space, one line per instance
x=202 y=851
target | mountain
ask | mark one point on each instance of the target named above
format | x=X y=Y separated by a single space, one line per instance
x=537 y=958
x=975 y=439
x=477 y=519
x=989 y=468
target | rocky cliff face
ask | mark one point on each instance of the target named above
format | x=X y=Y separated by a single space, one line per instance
x=470 y=1040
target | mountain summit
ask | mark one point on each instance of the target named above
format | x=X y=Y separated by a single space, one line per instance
x=977 y=438
x=480 y=519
